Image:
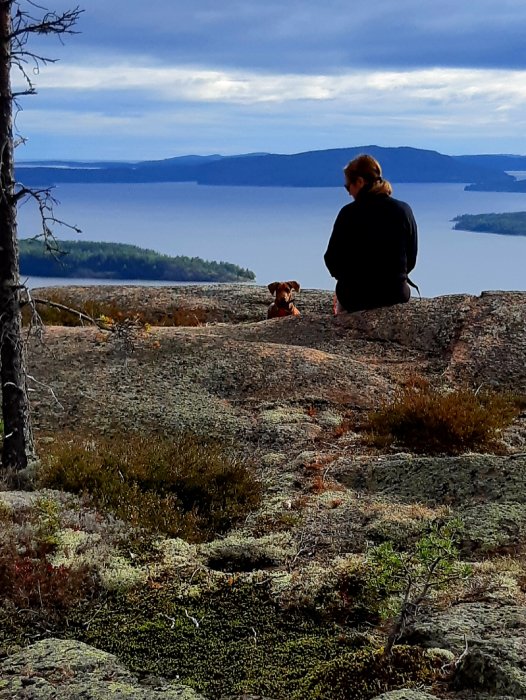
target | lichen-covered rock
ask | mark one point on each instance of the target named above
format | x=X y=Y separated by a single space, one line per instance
x=212 y=378
x=462 y=480
x=196 y=379
x=487 y=668
x=487 y=492
x=56 y=669
x=406 y=695
x=493 y=528
x=492 y=638
x=480 y=339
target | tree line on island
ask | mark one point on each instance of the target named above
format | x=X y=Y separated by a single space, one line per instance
x=91 y=259
x=507 y=224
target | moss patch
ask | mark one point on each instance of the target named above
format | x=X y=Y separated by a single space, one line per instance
x=233 y=640
x=365 y=673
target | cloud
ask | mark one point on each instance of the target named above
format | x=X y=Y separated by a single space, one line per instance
x=165 y=110
x=242 y=75
x=192 y=84
x=306 y=35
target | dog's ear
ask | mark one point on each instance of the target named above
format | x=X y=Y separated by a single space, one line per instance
x=272 y=287
x=294 y=285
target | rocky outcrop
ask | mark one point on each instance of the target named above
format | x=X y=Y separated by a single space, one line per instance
x=290 y=393
x=56 y=669
x=455 y=481
x=221 y=376
x=480 y=339
x=490 y=641
x=485 y=491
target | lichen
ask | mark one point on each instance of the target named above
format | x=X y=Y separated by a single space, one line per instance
x=284 y=415
x=329 y=419
x=176 y=553
x=244 y=553
x=119 y=573
x=273 y=459
x=74 y=546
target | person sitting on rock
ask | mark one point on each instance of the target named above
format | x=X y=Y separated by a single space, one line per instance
x=374 y=242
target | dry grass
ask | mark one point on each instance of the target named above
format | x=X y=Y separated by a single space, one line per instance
x=321 y=483
x=180 y=486
x=426 y=420
x=170 y=316
x=401 y=512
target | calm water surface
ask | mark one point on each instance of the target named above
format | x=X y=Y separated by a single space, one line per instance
x=282 y=233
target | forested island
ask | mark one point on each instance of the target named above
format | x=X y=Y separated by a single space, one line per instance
x=123 y=261
x=507 y=224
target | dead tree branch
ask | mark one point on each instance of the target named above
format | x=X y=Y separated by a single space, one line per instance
x=24 y=24
x=46 y=203
x=103 y=325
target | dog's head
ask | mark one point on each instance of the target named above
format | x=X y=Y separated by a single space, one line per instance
x=283 y=291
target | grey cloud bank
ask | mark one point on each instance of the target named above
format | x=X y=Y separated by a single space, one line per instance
x=309 y=35
x=172 y=77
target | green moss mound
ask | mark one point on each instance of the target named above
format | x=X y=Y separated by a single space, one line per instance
x=231 y=641
x=236 y=640
x=365 y=673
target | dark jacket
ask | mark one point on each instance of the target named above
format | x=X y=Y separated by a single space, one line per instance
x=372 y=248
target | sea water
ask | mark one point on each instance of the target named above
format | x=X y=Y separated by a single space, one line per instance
x=282 y=233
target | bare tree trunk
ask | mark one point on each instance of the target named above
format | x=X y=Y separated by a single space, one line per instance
x=18 y=440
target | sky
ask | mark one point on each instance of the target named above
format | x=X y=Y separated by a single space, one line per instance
x=151 y=80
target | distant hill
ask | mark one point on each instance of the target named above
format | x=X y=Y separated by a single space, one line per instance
x=309 y=169
x=325 y=168
x=499 y=161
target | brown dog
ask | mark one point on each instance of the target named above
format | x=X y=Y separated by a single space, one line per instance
x=284 y=305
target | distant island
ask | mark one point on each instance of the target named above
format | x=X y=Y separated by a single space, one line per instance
x=512 y=164
x=507 y=224
x=323 y=168
x=512 y=186
x=122 y=261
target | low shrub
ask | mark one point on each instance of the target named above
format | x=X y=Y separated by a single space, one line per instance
x=426 y=420
x=389 y=584
x=28 y=580
x=406 y=580
x=182 y=487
